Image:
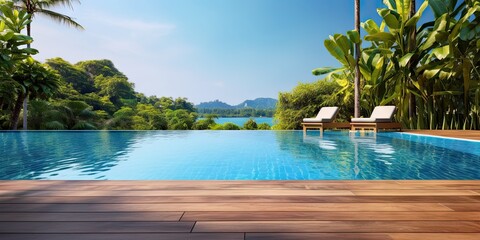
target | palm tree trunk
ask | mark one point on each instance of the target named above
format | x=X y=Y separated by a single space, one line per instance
x=16 y=111
x=25 y=101
x=357 y=58
x=412 y=45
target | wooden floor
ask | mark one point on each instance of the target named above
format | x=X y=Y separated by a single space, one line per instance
x=468 y=134
x=277 y=210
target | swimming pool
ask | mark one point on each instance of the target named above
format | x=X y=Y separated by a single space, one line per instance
x=233 y=155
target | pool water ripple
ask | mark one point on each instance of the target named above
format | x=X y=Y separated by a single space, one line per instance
x=233 y=155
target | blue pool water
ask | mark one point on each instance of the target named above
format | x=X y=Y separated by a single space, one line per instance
x=234 y=155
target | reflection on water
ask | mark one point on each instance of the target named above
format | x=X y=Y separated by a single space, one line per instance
x=345 y=155
x=40 y=155
x=322 y=143
x=232 y=155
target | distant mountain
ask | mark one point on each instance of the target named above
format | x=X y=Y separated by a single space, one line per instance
x=259 y=103
x=217 y=104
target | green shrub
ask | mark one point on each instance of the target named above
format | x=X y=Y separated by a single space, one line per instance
x=306 y=99
x=203 y=124
x=264 y=126
x=230 y=126
x=250 y=125
x=226 y=126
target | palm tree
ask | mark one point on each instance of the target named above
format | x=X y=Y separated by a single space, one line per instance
x=411 y=47
x=34 y=7
x=357 y=58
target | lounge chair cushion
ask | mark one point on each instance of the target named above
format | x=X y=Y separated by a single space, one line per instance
x=379 y=114
x=364 y=120
x=326 y=114
x=316 y=120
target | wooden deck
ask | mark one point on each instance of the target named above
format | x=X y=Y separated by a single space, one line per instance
x=467 y=134
x=277 y=210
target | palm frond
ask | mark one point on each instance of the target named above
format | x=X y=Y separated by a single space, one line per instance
x=61 y=18
x=54 y=125
x=84 y=125
x=52 y=3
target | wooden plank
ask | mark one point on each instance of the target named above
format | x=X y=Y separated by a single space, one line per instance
x=261 y=209
x=245 y=199
x=126 y=236
x=92 y=217
x=95 y=227
x=435 y=236
x=323 y=216
x=317 y=236
x=438 y=182
x=462 y=206
x=345 y=207
x=461 y=134
x=360 y=185
x=339 y=226
x=248 y=192
x=424 y=192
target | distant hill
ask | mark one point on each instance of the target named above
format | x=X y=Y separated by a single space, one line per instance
x=217 y=104
x=259 y=103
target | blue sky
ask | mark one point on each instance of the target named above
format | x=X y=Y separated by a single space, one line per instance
x=204 y=50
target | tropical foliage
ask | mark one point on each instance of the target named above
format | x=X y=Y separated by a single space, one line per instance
x=14 y=55
x=240 y=112
x=307 y=98
x=429 y=71
x=250 y=125
x=96 y=95
x=34 y=7
x=41 y=7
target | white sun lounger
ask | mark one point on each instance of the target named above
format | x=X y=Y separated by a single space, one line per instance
x=381 y=118
x=323 y=120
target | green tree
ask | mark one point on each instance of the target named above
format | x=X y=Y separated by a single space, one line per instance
x=122 y=119
x=183 y=103
x=226 y=126
x=180 y=119
x=38 y=114
x=77 y=115
x=115 y=88
x=79 y=78
x=250 y=125
x=151 y=118
x=427 y=67
x=306 y=99
x=431 y=72
x=455 y=64
x=34 y=7
x=165 y=103
x=103 y=67
x=37 y=81
x=264 y=126
x=13 y=49
x=206 y=123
